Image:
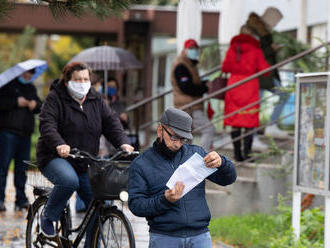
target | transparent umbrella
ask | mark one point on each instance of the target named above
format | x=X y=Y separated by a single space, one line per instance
x=107 y=58
x=39 y=65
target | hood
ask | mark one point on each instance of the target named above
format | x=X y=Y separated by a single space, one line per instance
x=245 y=38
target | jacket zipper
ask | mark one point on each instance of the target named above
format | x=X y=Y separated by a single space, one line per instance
x=81 y=107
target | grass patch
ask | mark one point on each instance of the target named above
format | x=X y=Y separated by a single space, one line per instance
x=270 y=231
x=246 y=230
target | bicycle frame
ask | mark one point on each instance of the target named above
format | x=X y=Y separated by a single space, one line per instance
x=93 y=209
x=95 y=212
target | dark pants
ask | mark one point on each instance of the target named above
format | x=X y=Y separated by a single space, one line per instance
x=15 y=147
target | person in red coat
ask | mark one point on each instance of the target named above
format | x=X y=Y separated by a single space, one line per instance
x=244 y=58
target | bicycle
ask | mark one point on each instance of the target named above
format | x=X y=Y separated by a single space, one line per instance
x=111 y=227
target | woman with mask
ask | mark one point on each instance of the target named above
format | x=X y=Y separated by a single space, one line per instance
x=74 y=115
x=115 y=103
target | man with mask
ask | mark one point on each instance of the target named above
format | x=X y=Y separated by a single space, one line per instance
x=19 y=103
x=175 y=221
x=188 y=87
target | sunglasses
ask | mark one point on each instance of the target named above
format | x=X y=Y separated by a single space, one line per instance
x=174 y=137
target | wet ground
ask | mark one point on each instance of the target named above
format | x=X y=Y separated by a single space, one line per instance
x=13 y=224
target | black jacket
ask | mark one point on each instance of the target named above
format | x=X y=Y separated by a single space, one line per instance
x=13 y=118
x=64 y=121
x=184 y=81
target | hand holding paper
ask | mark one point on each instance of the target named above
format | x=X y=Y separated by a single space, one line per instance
x=174 y=194
x=191 y=173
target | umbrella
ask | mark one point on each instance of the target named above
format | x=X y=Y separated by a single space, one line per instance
x=39 y=65
x=107 y=58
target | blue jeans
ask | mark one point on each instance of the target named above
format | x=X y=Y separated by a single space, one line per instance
x=66 y=181
x=163 y=241
x=80 y=205
x=281 y=103
x=15 y=147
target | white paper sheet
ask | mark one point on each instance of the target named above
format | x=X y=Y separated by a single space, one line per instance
x=191 y=173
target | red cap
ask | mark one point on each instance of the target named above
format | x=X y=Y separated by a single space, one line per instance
x=191 y=43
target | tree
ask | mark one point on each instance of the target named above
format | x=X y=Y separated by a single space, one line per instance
x=78 y=8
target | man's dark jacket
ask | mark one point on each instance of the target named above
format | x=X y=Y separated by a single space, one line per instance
x=188 y=216
x=15 y=119
x=64 y=121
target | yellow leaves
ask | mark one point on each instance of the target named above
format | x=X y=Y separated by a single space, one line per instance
x=65 y=47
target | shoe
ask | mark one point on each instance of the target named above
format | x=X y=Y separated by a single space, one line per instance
x=22 y=207
x=258 y=145
x=275 y=132
x=47 y=227
x=2 y=206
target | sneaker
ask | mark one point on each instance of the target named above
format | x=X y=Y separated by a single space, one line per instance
x=275 y=132
x=258 y=145
x=22 y=207
x=47 y=227
x=2 y=206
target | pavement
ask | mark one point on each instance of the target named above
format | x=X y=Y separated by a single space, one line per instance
x=13 y=224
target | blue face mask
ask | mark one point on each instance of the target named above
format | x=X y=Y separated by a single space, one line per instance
x=112 y=91
x=23 y=81
x=192 y=54
x=100 y=89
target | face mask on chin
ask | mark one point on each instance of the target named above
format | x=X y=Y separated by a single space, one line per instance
x=79 y=90
x=163 y=149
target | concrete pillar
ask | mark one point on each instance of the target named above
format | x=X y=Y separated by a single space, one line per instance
x=328 y=22
x=186 y=26
x=231 y=19
x=302 y=27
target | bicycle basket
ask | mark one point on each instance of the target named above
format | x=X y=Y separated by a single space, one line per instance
x=108 y=178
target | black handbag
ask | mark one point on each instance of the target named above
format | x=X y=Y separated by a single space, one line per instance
x=108 y=178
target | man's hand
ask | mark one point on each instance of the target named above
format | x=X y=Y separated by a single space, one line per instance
x=212 y=160
x=22 y=102
x=32 y=105
x=63 y=150
x=172 y=195
x=127 y=147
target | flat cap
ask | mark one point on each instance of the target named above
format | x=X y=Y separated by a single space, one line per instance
x=179 y=121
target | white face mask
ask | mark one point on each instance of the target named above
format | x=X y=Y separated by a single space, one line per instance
x=79 y=90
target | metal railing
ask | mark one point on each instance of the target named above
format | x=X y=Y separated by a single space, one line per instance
x=211 y=95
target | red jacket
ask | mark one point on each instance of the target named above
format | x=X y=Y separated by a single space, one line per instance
x=243 y=59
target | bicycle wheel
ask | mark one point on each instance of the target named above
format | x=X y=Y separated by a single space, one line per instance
x=116 y=229
x=34 y=238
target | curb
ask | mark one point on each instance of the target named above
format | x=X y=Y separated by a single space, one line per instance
x=219 y=244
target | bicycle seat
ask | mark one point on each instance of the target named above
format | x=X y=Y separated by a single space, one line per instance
x=41 y=191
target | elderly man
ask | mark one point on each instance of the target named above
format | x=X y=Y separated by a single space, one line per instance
x=175 y=221
x=188 y=87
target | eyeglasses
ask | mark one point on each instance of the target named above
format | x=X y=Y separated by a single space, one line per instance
x=174 y=137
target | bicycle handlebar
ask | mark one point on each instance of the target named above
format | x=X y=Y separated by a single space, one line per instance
x=76 y=153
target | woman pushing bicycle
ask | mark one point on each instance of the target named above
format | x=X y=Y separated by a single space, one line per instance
x=73 y=115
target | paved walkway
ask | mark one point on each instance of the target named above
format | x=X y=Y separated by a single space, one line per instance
x=13 y=224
